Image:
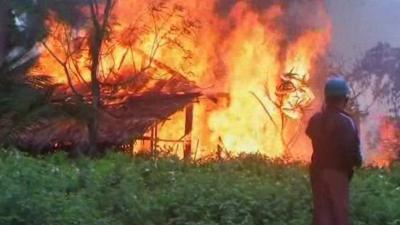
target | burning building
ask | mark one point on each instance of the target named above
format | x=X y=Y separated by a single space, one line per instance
x=244 y=65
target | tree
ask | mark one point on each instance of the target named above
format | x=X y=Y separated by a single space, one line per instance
x=94 y=45
x=24 y=98
x=377 y=75
x=379 y=71
x=294 y=98
x=100 y=26
x=4 y=30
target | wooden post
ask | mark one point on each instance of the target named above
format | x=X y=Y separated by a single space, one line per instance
x=188 y=132
x=153 y=139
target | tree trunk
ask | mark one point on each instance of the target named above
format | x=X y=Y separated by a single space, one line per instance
x=4 y=27
x=93 y=124
x=99 y=29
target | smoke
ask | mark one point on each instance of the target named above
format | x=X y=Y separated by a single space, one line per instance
x=225 y=6
x=302 y=16
x=297 y=16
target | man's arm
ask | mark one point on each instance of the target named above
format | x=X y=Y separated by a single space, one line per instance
x=348 y=139
x=311 y=127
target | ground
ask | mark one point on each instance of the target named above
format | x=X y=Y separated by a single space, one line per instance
x=119 y=190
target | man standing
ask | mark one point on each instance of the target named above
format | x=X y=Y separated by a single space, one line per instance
x=336 y=151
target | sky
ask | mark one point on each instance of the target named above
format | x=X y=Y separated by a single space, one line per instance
x=358 y=25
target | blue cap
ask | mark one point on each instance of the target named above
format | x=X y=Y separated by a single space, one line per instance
x=337 y=87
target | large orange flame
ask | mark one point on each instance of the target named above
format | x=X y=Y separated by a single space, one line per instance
x=249 y=55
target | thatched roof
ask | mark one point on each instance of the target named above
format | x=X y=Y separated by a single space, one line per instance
x=130 y=107
x=118 y=124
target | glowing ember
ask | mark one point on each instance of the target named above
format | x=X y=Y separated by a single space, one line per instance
x=247 y=54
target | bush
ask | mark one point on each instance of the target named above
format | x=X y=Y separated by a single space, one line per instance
x=123 y=190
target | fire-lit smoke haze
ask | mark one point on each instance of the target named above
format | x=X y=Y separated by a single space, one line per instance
x=357 y=27
x=253 y=58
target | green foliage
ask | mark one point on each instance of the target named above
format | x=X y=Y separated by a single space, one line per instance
x=122 y=190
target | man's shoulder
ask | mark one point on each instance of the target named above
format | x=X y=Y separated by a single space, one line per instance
x=348 y=120
x=314 y=123
x=344 y=120
x=337 y=117
x=316 y=116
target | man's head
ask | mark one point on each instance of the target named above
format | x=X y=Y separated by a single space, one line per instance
x=337 y=92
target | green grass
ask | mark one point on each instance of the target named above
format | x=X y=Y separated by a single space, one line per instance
x=119 y=190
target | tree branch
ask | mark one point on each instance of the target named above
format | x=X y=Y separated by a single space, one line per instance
x=64 y=65
x=265 y=109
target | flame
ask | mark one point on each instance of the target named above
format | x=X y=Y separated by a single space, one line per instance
x=246 y=55
x=387 y=149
